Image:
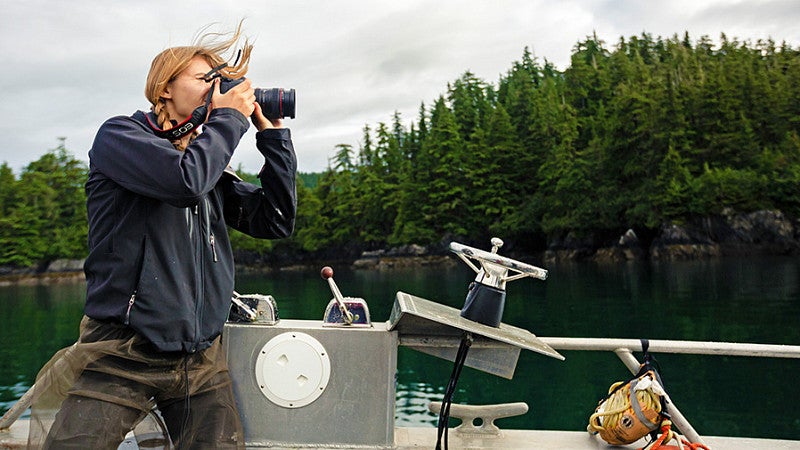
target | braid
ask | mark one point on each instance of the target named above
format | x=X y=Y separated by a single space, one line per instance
x=162 y=116
x=163 y=121
x=183 y=143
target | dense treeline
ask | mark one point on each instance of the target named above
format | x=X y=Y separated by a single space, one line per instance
x=43 y=213
x=653 y=131
x=648 y=132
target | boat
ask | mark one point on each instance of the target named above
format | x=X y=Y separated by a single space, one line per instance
x=330 y=383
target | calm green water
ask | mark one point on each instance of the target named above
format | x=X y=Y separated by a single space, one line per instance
x=744 y=300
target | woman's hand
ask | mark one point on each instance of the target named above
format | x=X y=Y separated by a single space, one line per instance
x=241 y=97
x=261 y=122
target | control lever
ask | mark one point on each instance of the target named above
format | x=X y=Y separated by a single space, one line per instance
x=327 y=274
x=344 y=311
x=243 y=307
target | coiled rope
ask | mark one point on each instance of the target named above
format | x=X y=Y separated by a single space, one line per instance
x=631 y=410
x=619 y=402
x=638 y=407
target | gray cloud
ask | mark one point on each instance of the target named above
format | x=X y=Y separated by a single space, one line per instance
x=71 y=65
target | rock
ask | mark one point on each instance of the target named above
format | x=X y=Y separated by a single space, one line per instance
x=763 y=227
x=373 y=254
x=408 y=250
x=626 y=248
x=629 y=239
x=731 y=233
x=65 y=265
x=672 y=234
x=571 y=247
x=630 y=246
x=675 y=242
x=684 y=251
x=366 y=263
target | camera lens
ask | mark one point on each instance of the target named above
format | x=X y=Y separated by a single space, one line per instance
x=276 y=103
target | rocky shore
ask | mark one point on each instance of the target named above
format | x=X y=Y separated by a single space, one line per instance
x=60 y=270
x=728 y=234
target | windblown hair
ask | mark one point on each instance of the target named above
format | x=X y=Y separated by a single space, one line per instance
x=168 y=64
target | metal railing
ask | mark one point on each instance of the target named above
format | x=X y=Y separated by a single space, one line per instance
x=624 y=349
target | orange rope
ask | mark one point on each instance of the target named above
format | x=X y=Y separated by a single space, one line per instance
x=693 y=445
x=667 y=435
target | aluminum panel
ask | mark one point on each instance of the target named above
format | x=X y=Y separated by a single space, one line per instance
x=357 y=405
x=416 y=316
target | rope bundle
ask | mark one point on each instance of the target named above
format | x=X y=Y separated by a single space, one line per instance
x=631 y=410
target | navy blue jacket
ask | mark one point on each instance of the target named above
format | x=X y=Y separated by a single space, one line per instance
x=159 y=258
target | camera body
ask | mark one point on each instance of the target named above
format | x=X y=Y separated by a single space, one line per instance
x=276 y=103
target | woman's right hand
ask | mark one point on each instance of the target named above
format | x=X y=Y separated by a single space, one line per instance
x=240 y=97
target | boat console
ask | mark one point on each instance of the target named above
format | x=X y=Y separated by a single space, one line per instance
x=331 y=382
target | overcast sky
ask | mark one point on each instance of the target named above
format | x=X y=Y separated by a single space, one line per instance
x=70 y=65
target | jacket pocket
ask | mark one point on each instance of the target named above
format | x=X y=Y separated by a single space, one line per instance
x=138 y=278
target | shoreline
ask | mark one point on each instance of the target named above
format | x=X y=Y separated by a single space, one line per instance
x=380 y=261
x=760 y=233
x=33 y=279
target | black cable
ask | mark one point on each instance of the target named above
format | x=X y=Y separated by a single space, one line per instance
x=444 y=412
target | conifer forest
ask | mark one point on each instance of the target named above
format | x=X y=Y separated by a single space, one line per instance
x=631 y=135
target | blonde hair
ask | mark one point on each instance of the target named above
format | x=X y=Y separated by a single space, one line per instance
x=168 y=64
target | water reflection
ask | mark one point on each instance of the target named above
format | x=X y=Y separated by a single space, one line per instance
x=748 y=299
x=412 y=404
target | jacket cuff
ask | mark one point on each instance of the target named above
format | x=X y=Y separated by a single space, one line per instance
x=283 y=134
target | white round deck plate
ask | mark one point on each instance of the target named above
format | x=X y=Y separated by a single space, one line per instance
x=293 y=369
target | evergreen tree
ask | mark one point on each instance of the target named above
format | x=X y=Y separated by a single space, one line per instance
x=310 y=224
x=469 y=102
x=411 y=180
x=46 y=218
x=442 y=199
x=7 y=188
x=374 y=184
x=335 y=192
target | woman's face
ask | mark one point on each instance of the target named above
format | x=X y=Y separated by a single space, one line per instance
x=188 y=90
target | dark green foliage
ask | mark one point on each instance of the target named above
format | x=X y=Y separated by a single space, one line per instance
x=650 y=131
x=44 y=211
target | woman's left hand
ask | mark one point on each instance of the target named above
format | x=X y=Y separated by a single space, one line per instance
x=261 y=122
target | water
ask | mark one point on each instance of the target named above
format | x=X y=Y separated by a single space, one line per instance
x=739 y=300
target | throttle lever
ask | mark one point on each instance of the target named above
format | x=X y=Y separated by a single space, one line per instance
x=327 y=274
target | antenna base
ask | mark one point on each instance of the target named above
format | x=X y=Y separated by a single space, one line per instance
x=484 y=304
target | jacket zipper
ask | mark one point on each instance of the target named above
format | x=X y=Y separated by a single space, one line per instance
x=131 y=301
x=207 y=219
x=213 y=248
x=198 y=312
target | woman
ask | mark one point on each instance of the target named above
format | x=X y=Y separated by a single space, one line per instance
x=160 y=268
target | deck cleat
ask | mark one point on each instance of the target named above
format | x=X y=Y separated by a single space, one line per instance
x=344 y=311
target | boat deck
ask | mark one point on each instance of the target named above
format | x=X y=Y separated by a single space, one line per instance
x=418 y=438
x=425 y=438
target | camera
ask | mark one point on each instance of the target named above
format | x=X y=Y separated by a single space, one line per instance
x=276 y=103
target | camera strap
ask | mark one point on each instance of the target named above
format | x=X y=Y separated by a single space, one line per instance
x=198 y=115
x=187 y=126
